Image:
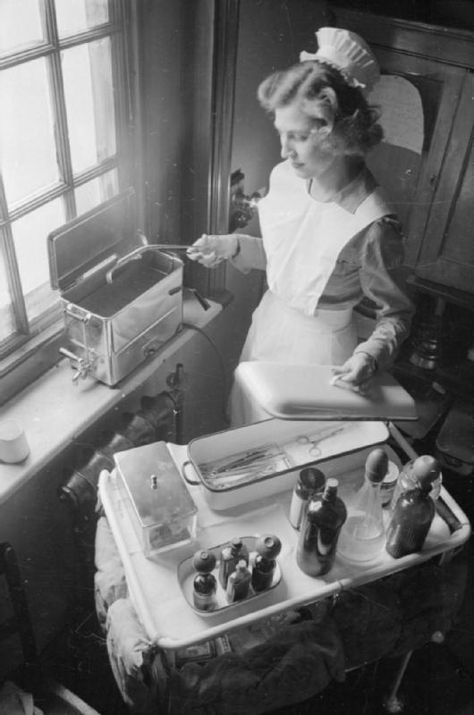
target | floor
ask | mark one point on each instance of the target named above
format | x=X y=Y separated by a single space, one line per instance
x=438 y=680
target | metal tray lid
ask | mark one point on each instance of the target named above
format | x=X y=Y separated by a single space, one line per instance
x=305 y=392
x=99 y=236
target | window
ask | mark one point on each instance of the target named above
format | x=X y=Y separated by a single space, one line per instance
x=63 y=125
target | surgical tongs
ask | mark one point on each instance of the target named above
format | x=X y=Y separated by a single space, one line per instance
x=138 y=252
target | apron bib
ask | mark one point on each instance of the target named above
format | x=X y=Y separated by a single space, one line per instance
x=303 y=237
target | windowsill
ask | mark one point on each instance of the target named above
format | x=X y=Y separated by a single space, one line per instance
x=44 y=408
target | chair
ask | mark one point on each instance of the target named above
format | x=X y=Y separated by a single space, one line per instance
x=51 y=697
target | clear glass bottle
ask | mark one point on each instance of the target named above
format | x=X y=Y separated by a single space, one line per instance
x=238 y=583
x=267 y=548
x=363 y=535
x=205 y=583
x=231 y=553
x=310 y=481
x=411 y=519
x=413 y=471
x=317 y=542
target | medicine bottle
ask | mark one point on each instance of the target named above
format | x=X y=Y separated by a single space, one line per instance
x=205 y=583
x=310 y=481
x=413 y=471
x=238 y=583
x=317 y=542
x=411 y=519
x=231 y=553
x=267 y=548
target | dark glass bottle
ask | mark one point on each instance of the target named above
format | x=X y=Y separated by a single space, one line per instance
x=238 y=583
x=267 y=548
x=325 y=515
x=205 y=583
x=413 y=471
x=310 y=481
x=411 y=519
x=233 y=552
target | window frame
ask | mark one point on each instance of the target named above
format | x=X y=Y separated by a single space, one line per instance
x=33 y=347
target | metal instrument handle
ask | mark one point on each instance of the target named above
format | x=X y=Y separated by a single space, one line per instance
x=138 y=253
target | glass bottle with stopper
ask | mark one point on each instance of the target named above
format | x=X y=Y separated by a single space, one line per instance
x=317 y=542
x=411 y=519
x=363 y=535
x=413 y=471
x=231 y=554
x=267 y=547
x=204 y=584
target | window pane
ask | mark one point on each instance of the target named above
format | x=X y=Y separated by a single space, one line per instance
x=87 y=72
x=80 y=15
x=95 y=192
x=28 y=155
x=20 y=25
x=6 y=314
x=29 y=235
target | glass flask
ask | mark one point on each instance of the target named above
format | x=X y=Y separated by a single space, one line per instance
x=363 y=535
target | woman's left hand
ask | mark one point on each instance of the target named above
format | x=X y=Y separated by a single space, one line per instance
x=357 y=372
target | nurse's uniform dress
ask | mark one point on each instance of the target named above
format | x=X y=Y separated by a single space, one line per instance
x=302 y=240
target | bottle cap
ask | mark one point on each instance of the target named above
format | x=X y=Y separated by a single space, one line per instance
x=376 y=465
x=425 y=470
x=204 y=561
x=268 y=546
x=330 y=490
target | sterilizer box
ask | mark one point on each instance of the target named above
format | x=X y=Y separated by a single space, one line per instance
x=162 y=511
x=121 y=296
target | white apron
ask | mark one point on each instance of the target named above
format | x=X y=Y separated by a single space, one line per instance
x=302 y=239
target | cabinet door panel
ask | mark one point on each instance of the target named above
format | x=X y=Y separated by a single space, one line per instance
x=440 y=89
x=447 y=251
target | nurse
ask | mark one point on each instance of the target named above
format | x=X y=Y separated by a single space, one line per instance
x=329 y=238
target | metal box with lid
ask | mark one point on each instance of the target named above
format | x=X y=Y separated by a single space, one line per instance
x=121 y=296
x=163 y=513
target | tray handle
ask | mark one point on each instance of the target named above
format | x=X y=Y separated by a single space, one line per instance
x=184 y=467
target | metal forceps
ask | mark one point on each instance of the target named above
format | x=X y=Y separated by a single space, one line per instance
x=314 y=450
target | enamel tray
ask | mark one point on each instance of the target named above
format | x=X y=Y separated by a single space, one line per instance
x=187 y=572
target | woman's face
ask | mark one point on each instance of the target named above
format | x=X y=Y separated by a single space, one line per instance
x=304 y=141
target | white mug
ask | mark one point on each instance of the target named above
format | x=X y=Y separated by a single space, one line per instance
x=13 y=445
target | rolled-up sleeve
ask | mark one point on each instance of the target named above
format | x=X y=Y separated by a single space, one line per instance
x=251 y=254
x=380 y=272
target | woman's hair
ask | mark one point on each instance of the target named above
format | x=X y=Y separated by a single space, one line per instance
x=316 y=86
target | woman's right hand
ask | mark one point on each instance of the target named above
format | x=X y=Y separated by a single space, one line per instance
x=212 y=250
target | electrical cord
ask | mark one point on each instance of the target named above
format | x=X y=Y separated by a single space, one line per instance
x=221 y=363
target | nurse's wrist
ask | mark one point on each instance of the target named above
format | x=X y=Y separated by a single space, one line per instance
x=371 y=361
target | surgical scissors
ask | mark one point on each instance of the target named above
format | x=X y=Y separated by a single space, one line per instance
x=315 y=440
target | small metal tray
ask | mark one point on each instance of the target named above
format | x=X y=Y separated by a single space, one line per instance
x=187 y=572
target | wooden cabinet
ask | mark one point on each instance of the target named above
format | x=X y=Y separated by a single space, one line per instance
x=434 y=195
x=446 y=252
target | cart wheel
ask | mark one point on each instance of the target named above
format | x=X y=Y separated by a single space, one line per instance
x=393 y=704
